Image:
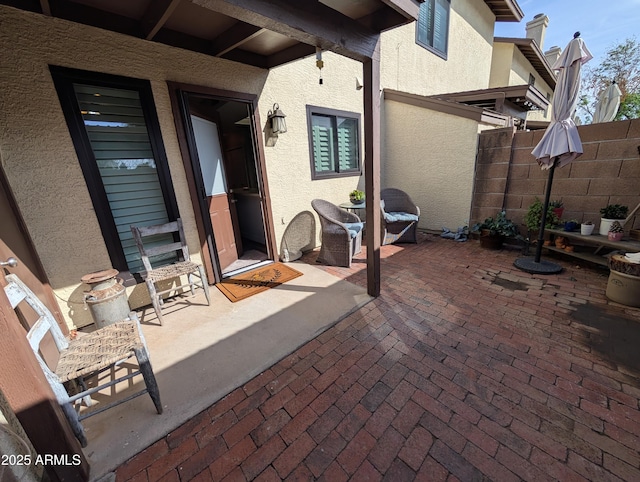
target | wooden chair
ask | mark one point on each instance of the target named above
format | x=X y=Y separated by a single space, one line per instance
x=85 y=356
x=183 y=267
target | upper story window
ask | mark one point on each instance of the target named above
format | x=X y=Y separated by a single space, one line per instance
x=432 y=28
x=334 y=142
x=532 y=79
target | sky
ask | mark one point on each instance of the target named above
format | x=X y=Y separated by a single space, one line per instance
x=602 y=24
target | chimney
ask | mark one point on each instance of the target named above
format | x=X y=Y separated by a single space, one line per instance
x=537 y=28
x=552 y=54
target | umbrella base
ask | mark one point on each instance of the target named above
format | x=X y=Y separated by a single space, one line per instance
x=529 y=265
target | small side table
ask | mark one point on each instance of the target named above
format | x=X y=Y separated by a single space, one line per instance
x=349 y=206
x=357 y=209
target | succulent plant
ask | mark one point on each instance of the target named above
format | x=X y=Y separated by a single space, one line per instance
x=616 y=227
x=614 y=211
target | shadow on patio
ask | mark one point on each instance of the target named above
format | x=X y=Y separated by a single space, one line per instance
x=464 y=367
x=202 y=352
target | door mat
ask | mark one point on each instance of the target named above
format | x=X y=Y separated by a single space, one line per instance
x=257 y=280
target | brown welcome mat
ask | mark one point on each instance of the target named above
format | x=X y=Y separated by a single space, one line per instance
x=260 y=279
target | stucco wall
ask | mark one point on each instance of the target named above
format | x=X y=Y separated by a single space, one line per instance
x=294 y=86
x=409 y=67
x=520 y=70
x=501 y=62
x=519 y=75
x=607 y=173
x=510 y=67
x=431 y=156
x=41 y=163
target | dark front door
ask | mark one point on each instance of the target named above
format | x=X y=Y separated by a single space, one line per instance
x=225 y=170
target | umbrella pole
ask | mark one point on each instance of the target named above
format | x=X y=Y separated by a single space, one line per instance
x=545 y=210
x=534 y=265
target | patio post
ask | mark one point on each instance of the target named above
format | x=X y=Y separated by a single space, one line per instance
x=371 y=75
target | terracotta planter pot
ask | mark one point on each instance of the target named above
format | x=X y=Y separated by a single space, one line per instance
x=558 y=212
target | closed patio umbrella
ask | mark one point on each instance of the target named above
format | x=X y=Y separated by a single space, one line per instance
x=608 y=103
x=560 y=143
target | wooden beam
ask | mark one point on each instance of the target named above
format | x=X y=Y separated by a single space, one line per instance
x=156 y=15
x=312 y=23
x=183 y=41
x=79 y=13
x=233 y=37
x=295 y=52
x=246 y=57
x=409 y=9
x=371 y=74
x=45 y=7
x=382 y=19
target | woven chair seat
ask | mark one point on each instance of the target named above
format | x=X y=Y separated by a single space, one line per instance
x=196 y=276
x=171 y=271
x=98 y=350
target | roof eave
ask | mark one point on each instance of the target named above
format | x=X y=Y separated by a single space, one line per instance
x=506 y=10
x=531 y=50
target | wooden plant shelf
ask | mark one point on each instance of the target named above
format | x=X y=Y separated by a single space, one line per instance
x=597 y=245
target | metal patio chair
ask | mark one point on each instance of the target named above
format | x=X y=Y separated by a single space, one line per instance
x=144 y=238
x=84 y=357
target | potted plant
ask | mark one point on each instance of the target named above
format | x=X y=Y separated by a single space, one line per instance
x=356 y=196
x=557 y=208
x=615 y=231
x=586 y=228
x=571 y=225
x=534 y=216
x=609 y=214
x=493 y=231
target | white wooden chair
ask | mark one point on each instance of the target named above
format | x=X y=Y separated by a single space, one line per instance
x=85 y=356
x=183 y=267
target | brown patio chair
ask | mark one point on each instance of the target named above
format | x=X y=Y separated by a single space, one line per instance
x=400 y=217
x=341 y=233
x=84 y=357
x=146 y=239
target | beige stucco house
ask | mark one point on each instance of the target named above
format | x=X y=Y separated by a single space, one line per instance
x=183 y=89
x=74 y=228
x=521 y=62
x=136 y=112
x=437 y=98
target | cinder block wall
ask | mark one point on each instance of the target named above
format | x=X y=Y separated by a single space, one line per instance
x=508 y=176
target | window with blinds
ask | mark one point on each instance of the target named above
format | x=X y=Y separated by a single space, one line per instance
x=117 y=131
x=114 y=127
x=334 y=142
x=432 y=27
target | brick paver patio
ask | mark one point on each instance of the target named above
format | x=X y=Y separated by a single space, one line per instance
x=465 y=368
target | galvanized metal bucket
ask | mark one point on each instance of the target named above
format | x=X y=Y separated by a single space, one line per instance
x=107 y=299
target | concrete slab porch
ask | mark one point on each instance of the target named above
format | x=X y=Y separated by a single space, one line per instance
x=202 y=352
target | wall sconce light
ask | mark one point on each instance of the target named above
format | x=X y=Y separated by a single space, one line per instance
x=276 y=116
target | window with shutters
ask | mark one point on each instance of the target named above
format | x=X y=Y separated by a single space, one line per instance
x=334 y=142
x=432 y=27
x=114 y=127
